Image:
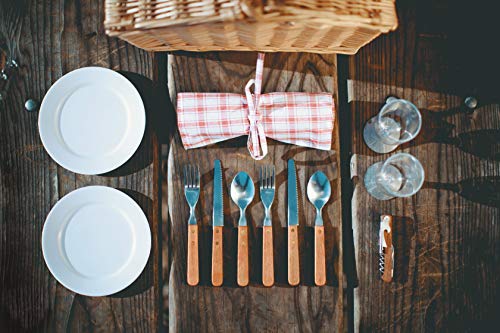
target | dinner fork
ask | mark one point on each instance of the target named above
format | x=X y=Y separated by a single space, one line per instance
x=192 y=193
x=267 y=178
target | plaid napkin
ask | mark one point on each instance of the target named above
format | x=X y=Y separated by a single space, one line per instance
x=304 y=119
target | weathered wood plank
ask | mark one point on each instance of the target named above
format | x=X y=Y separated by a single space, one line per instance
x=447 y=259
x=57 y=37
x=230 y=308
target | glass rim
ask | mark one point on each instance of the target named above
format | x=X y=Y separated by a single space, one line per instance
x=413 y=107
x=414 y=159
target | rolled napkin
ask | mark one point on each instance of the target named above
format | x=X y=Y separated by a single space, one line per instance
x=303 y=119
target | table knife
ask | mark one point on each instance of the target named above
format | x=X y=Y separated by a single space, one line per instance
x=218 y=224
x=293 y=222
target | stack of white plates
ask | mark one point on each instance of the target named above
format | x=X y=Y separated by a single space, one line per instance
x=96 y=240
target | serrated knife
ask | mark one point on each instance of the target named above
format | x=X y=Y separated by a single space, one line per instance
x=293 y=223
x=218 y=225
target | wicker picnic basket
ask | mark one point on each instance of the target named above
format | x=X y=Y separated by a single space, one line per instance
x=319 y=26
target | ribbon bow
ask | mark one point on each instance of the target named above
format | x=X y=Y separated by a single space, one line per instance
x=304 y=119
x=256 y=135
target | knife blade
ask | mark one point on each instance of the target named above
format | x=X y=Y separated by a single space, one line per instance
x=293 y=211
x=218 y=208
x=293 y=222
x=218 y=224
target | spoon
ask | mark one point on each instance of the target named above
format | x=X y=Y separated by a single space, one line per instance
x=242 y=192
x=318 y=192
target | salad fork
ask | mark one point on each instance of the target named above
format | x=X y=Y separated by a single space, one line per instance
x=267 y=180
x=192 y=194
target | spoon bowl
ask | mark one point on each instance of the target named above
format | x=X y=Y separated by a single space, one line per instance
x=318 y=190
x=242 y=190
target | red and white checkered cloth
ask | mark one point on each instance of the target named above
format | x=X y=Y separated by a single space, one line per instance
x=304 y=119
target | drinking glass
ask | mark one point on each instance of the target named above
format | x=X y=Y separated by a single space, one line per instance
x=398 y=121
x=401 y=175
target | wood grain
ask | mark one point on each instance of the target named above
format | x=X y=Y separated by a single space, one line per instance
x=267 y=256
x=57 y=37
x=319 y=256
x=242 y=273
x=447 y=268
x=293 y=256
x=217 y=256
x=254 y=308
x=193 y=266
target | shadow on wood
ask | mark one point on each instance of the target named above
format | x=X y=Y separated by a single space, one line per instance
x=482 y=190
x=483 y=143
x=160 y=119
x=404 y=231
x=146 y=278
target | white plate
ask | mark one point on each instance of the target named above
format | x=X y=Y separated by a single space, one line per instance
x=92 y=120
x=96 y=241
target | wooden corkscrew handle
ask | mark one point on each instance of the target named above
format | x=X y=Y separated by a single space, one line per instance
x=388 y=252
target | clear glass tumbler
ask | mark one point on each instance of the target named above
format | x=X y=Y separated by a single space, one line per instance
x=398 y=121
x=401 y=175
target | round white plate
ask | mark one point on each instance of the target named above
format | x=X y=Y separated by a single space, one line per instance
x=96 y=241
x=91 y=120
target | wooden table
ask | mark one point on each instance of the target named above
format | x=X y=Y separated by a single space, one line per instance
x=447 y=242
x=55 y=38
x=447 y=235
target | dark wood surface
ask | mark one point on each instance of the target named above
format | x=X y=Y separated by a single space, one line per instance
x=56 y=37
x=446 y=237
x=230 y=308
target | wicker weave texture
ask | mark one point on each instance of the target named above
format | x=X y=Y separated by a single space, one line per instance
x=320 y=26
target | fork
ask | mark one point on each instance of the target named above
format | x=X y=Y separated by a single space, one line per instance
x=267 y=179
x=192 y=193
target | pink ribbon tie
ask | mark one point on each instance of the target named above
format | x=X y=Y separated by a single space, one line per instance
x=257 y=144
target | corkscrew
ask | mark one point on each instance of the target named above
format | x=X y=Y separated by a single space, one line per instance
x=386 y=248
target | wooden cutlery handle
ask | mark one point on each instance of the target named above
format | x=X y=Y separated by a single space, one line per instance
x=319 y=256
x=217 y=257
x=293 y=256
x=242 y=273
x=267 y=257
x=193 y=274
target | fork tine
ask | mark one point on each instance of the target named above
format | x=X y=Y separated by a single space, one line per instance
x=193 y=176
x=273 y=178
x=185 y=176
x=268 y=175
x=266 y=179
x=269 y=183
x=264 y=176
x=261 y=183
x=190 y=176
x=197 y=175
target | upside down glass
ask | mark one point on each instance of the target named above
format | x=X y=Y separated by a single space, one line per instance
x=398 y=121
x=401 y=175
